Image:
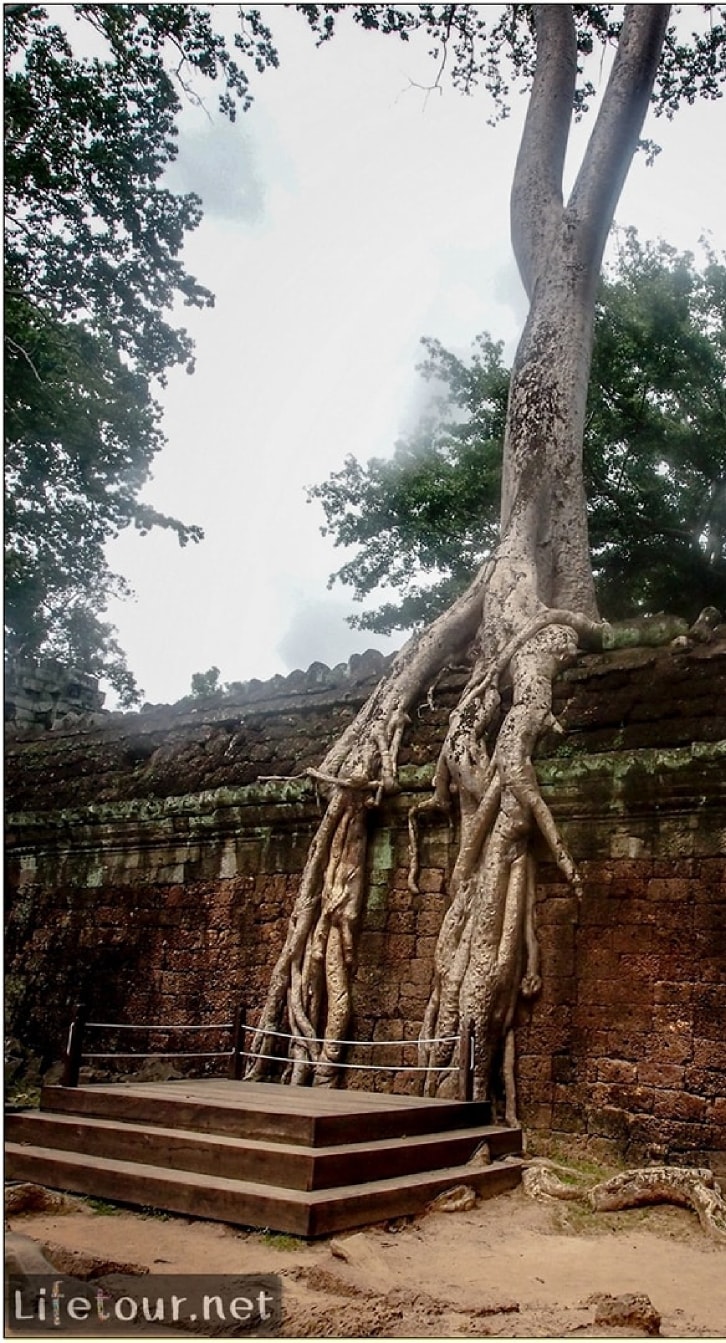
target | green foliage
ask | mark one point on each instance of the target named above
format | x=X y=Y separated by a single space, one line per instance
x=655 y=458
x=206 y=683
x=92 y=265
x=655 y=444
x=492 y=47
x=432 y=508
x=91 y=232
x=80 y=431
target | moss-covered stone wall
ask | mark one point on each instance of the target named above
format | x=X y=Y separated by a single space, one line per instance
x=151 y=872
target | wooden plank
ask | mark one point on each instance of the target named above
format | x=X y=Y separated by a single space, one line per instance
x=288 y=1165
x=307 y=1100
x=233 y=1201
x=215 y=1155
x=203 y=1116
x=266 y=1111
x=397 y=1122
x=344 y=1208
x=389 y=1158
x=247 y=1203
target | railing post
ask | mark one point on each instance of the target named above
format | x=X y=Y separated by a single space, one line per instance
x=74 y=1048
x=466 y=1062
x=238 y=1043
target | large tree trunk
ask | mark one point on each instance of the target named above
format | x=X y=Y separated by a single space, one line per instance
x=521 y=621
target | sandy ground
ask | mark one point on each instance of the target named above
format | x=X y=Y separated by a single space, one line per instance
x=509 y=1268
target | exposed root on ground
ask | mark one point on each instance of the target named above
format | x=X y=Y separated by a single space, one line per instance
x=689 y=1187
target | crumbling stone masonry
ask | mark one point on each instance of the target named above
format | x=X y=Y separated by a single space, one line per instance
x=47 y=694
x=152 y=868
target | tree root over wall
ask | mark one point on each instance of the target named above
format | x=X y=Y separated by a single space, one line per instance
x=487 y=952
x=689 y=1187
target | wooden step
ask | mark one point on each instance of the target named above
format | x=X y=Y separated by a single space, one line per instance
x=293 y=1166
x=248 y=1203
x=266 y=1111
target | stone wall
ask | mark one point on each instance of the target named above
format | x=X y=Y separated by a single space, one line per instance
x=152 y=872
x=45 y=694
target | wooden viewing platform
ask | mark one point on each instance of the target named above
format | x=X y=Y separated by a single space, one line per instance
x=305 y=1160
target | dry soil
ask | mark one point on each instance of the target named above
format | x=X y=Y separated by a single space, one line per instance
x=509 y=1268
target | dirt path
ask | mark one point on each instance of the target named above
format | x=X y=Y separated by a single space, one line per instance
x=510 y=1268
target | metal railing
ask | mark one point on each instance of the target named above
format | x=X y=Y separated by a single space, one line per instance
x=75 y=1053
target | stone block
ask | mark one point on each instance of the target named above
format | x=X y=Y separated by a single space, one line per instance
x=558 y=990
x=623 y=940
x=417 y=973
x=614 y=1095
x=431 y=881
x=536 y=1114
x=567 y=1118
x=428 y=922
x=560 y=909
x=608 y=1123
x=709 y=1012
x=397 y=948
x=541 y=1068
x=708 y=1082
x=716 y=1111
x=679 y=1105
x=619 y=1071
x=426 y=948
x=629 y=1044
x=400 y=921
x=710 y=1054
x=672 y=1047
x=664 y=1076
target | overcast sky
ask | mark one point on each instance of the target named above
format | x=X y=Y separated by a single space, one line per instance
x=347 y=214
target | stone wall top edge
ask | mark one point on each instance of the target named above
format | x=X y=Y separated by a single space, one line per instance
x=320 y=686
x=555 y=775
x=317 y=686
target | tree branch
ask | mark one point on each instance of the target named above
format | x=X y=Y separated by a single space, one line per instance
x=20 y=349
x=616 y=132
x=536 y=200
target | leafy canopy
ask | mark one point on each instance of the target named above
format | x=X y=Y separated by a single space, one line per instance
x=492 y=47
x=654 y=451
x=92 y=267
x=93 y=244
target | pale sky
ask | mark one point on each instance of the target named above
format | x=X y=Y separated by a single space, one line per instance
x=346 y=215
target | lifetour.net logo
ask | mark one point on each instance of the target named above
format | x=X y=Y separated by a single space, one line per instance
x=238 y=1305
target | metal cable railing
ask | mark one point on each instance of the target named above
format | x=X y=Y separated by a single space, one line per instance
x=76 y=1053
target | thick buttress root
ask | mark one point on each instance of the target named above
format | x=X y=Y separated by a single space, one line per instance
x=312 y=978
x=487 y=951
x=310 y=988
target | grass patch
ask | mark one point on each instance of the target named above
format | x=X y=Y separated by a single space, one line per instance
x=101 y=1208
x=572 y=1177
x=280 y=1240
x=578 y=1166
x=22 y=1098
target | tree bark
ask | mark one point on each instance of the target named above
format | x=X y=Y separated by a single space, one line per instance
x=521 y=620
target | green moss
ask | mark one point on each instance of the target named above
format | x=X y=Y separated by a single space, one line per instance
x=376 y=896
x=643 y=632
x=617 y=765
x=381 y=854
